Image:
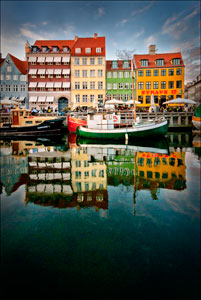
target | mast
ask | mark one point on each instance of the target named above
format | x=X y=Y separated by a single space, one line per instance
x=134 y=108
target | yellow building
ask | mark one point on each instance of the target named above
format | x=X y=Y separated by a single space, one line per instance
x=159 y=74
x=88 y=72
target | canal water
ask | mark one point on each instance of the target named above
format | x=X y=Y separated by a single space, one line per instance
x=101 y=219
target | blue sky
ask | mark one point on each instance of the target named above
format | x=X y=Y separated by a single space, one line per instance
x=133 y=25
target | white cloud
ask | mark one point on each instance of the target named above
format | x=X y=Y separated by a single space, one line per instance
x=100 y=12
x=139 y=11
x=122 y=22
x=32 y=35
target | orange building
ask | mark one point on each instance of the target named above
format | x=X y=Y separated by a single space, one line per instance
x=159 y=74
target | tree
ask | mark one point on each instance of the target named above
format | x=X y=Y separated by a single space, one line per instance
x=125 y=54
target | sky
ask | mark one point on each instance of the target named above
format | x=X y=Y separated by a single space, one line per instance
x=173 y=26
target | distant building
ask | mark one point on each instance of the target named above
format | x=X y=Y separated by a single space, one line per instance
x=193 y=90
x=119 y=80
x=159 y=74
x=14 y=82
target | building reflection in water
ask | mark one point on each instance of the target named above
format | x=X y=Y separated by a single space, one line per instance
x=70 y=175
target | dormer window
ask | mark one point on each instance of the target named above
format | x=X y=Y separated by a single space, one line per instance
x=54 y=49
x=126 y=64
x=98 y=50
x=176 y=61
x=144 y=62
x=35 y=49
x=77 y=50
x=87 y=50
x=65 y=49
x=114 y=64
x=44 y=49
x=160 y=62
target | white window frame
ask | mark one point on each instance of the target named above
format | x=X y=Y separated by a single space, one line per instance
x=76 y=61
x=77 y=50
x=87 y=50
x=98 y=50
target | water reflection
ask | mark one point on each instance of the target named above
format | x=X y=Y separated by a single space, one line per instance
x=69 y=173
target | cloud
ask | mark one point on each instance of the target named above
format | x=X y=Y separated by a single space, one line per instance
x=44 y=23
x=31 y=35
x=138 y=34
x=69 y=30
x=122 y=22
x=100 y=12
x=143 y=9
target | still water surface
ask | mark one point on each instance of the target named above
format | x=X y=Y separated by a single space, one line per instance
x=101 y=218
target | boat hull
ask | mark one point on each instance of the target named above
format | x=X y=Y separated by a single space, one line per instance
x=73 y=123
x=47 y=127
x=145 y=131
x=196 y=122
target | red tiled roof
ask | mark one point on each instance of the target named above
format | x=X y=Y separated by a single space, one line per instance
x=20 y=64
x=120 y=65
x=152 y=58
x=1 y=61
x=54 y=43
x=93 y=43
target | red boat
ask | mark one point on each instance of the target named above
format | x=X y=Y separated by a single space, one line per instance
x=74 y=122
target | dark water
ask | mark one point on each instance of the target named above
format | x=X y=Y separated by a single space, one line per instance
x=101 y=220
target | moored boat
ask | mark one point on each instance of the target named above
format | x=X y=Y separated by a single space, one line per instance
x=24 y=124
x=196 y=119
x=74 y=122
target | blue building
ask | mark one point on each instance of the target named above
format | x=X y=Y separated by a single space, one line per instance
x=14 y=79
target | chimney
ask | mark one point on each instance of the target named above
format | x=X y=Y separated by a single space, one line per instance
x=76 y=38
x=152 y=49
x=95 y=35
x=26 y=48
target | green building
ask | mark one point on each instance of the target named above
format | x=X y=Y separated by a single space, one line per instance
x=119 y=80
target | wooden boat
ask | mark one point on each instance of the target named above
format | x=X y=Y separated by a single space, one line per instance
x=24 y=124
x=74 y=122
x=196 y=119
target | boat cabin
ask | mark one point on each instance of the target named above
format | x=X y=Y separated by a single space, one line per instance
x=102 y=121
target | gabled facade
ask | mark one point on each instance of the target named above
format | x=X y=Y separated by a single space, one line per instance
x=49 y=74
x=88 y=72
x=119 y=80
x=159 y=74
x=14 y=81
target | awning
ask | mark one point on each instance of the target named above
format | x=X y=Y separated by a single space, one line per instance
x=41 y=59
x=66 y=85
x=41 y=84
x=66 y=59
x=32 y=71
x=41 y=71
x=57 y=71
x=22 y=98
x=57 y=58
x=57 y=84
x=33 y=99
x=49 y=84
x=32 y=59
x=41 y=98
x=32 y=84
x=66 y=71
x=49 y=71
x=50 y=99
x=49 y=59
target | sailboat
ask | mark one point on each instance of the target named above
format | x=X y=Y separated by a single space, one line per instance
x=109 y=126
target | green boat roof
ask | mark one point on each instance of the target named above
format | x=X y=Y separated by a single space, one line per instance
x=198 y=111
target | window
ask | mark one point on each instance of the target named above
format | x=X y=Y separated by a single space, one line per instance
x=160 y=62
x=155 y=72
x=92 y=73
x=84 y=85
x=163 y=72
x=120 y=74
x=144 y=63
x=87 y=50
x=108 y=86
x=179 y=84
x=98 y=50
x=1 y=87
x=84 y=61
x=148 y=72
x=77 y=50
x=77 y=73
x=65 y=49
x=77 y=98
x=163 y=84
x=126 y=74
x=140 y=73
x=140 y=85
x=92 y=61
x=114 y=86
x=92 y=98
x=140 y=99
x=9 y=68
x=114 y=74
x=100 y=100
x=120 y=85
x=84 y=73
x=109 y=75
x=23 y=78
x=44 y=49
x=15 y=77
x=100 y=85
x=155 y=84
x=100 y=73
x=22 y=88
x=7 y=88
x=148 y=99
x=148 y=85
x=8 y=77
x=126 y=64
x=176 y=61
x=54 y=49
x=114 y=64
x=92 y=85
x=84 y=98
x=76 y=61
x=100 y=60
x=179 y=72
x=77 y=85
x=171 y=72
x=2 y=77
x=126 y=97
x=155 y=99
x=171 y=84
x=126 y=85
